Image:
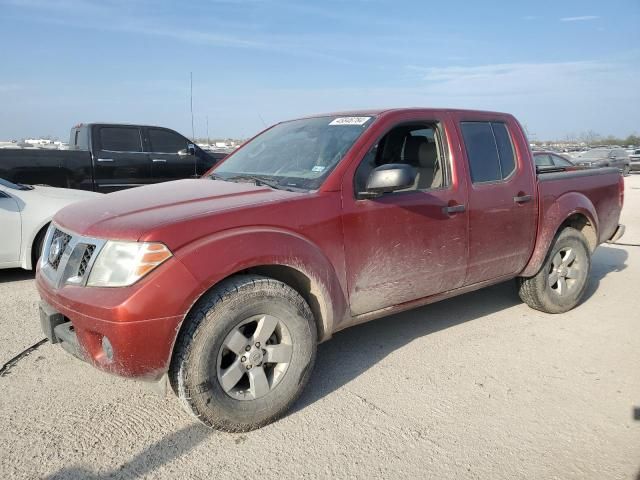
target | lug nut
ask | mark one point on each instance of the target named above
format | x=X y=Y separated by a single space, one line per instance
x=247 y=348
x=257 y=344
x=248 y=367
x=243 y=359
x=264 y=352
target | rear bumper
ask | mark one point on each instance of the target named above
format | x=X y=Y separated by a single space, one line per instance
x=125 y=331
x=617 y=234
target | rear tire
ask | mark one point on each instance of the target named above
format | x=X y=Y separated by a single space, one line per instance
x=561 y=282
x=245 y=353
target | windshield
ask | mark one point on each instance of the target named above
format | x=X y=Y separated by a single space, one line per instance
x=595 y=154
x=297 y=154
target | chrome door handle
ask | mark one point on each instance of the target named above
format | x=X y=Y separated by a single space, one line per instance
x=105 y=159
x=522 y=198
x=159 y=160
x=454 y=209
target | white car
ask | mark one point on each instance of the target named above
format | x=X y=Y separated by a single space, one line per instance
x=25 y=213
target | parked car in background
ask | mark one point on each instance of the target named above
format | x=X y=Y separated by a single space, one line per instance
x=634 y=160
x=546 y=159
x=226 y=284
x=105 y=157
x=25 y=213
x=605 y=157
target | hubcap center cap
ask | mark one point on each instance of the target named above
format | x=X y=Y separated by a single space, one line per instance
x=255 y=357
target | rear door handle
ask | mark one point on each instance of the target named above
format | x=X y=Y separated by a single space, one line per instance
x=454 y=209
x=159 y=160
x=522 y=198
x=105 y=159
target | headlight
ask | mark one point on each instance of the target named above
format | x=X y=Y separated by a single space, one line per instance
x=120 y=264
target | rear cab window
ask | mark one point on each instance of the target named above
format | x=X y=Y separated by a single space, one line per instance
x=120 y=139
x=490 y=151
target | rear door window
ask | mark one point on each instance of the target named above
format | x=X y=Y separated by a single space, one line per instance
x=489 y=151
x=121 y=139
x=166 y=141
x=505 y=148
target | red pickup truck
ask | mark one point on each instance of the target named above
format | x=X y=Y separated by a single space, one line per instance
x=224 y=285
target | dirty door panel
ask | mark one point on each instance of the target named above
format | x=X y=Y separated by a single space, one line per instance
x=502 y=199
x=403 y=246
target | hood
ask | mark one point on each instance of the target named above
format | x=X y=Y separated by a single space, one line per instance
x=129 y=214
x=63 y=193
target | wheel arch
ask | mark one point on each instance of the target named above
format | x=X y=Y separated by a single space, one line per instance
x=279 y=254
x=573 y=210
x=27 y=252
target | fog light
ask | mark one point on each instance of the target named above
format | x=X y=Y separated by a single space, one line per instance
x=107 y=348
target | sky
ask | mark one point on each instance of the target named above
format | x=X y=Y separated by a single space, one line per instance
x=562 y=67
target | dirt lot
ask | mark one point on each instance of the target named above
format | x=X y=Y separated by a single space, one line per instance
x=479 y=386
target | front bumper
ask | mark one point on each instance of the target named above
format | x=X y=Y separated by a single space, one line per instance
x=140 y=322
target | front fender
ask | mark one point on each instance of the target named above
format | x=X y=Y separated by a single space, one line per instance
x=552 y=214
x=216 y=257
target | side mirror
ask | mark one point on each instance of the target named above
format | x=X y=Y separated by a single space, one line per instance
x=190 y=150
x=390 y=178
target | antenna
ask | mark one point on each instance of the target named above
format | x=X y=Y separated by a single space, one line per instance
x=262 y=120
x=193 y=132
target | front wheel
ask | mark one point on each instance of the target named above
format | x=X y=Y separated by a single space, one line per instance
x=245 y=353
x=561 y=282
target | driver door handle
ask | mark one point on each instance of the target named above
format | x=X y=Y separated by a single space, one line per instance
x=522 y=198
x=454 y=209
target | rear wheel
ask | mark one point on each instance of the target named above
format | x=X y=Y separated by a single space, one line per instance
x=245 y=353
x=562 y=280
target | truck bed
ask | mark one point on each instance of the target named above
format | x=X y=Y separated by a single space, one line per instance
x=56 y=168
x=598 y=186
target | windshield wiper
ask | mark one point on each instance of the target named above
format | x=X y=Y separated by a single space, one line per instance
x=258 y=180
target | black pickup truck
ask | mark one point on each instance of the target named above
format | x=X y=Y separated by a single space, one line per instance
x=107 y=157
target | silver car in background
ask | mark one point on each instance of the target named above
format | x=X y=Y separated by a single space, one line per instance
x=605 y=157
x=634 y=159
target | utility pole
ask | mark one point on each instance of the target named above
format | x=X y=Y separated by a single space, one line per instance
x=208 y=141
x=193 y=131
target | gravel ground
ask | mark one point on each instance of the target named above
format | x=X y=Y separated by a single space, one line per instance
x=479 y=386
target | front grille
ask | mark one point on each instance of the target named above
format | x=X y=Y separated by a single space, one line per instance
x=55 y=262
x=86 y=257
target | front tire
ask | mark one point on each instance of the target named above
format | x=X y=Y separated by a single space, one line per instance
x=562 y=281
x=37 y=247
x=245 y=353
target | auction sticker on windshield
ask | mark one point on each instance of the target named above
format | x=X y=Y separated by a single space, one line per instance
x=350 y=121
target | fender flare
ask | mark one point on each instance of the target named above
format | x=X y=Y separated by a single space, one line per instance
x=236 y=250
x=553 y=219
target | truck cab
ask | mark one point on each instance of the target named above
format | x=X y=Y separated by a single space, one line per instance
x=126 y=155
